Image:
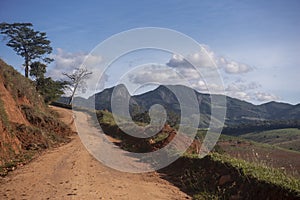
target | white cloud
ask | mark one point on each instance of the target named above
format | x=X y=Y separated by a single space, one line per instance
x=263 y=96
x=239 y=86
x=240 y=95
x=232 y=67
x=249 y=92
x=200 y=85
x=212 y=88
x=67 y=62
x=164 y=75
x=206 y=58
x=155 y=74
x=177 y=71
x=205 y=61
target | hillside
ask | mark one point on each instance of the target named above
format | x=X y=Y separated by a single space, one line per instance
x=238 y=112
x=61 y=174
x=288 y=138
x=27 y=125
x=236 y=169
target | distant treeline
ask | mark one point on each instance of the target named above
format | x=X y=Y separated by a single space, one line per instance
x=258 y=126
x=62 y=105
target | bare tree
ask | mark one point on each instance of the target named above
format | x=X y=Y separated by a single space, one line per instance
x=77 y=80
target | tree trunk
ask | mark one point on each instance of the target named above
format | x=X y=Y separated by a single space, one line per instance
x=26 y=71
x=73 y=93
x=26 y=68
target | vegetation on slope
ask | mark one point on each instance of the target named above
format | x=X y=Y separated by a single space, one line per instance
x=288 y=138
x=27 y=126
x=219 y=175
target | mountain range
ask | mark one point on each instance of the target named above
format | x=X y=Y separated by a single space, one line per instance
x=238 y=111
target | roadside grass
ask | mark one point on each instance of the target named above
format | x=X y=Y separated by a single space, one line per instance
x=249 y=172
x=260 y=171
x=106 y=118
x=203 y=179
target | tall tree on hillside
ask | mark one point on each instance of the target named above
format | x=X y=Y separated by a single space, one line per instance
x=76 y=80
x=26 y=42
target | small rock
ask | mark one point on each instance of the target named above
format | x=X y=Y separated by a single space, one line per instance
x=235 y=197
x=224 y=179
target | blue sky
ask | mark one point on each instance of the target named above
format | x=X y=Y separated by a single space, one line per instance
x=262 y=35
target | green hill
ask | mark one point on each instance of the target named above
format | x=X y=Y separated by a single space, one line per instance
x=288 y=138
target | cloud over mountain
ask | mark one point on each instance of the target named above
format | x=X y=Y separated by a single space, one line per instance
x=67 y=62
x=178 y=70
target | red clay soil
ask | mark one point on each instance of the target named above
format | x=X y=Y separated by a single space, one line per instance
x=70 y=172
x=9 y=143
x=11 y=107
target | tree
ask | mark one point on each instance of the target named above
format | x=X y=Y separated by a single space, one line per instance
x=50 y=89
x=76 y=80
x=37 y=70
x=27 y=42
x=47 y=87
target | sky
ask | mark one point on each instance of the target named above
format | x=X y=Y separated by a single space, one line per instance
x=254 y=44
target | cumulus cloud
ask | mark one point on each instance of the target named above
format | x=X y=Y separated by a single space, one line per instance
x=206 y=61
x=232 y=67
x=239 y=86
x=177 y=71
x=164 y=75
x=206 y=58
x=249 y=91
x=67 y=62
x=265 y=97
x=240 y=95
x=153 y=73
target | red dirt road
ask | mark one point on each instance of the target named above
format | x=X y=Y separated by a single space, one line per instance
x=70 y=172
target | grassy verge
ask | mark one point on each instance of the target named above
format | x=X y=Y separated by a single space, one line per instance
x=219 y=176
x=260 y=172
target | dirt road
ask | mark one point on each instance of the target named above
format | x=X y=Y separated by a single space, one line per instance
x=70 y=172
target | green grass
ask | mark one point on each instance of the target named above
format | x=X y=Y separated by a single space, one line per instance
x=260 y=172
x=254 y=173
x=205 y=196
x=160 y=137
x=254 y=170
x=288 y=138
x=105 y=117
x=18 y=85
x=201 y=177
x=3 y=115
